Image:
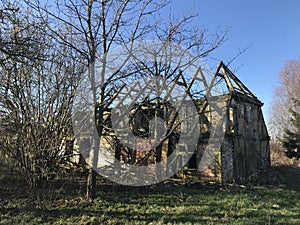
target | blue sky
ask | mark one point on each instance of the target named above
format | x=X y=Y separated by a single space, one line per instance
x=272 y=28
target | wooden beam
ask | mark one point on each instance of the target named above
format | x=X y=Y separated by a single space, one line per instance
x=239 y=83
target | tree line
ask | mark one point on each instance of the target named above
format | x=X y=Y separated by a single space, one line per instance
x=285 y=111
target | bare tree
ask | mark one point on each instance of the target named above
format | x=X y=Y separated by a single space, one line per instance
x=284 y=94
x=287 y=90
x=95 y=28
x=37 y=88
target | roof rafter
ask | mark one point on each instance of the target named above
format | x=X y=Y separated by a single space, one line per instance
x=233 y=83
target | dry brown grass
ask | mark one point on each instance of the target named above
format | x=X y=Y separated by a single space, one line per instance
x=278 y=158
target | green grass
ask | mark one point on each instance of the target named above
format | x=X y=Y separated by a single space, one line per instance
x=167 y=203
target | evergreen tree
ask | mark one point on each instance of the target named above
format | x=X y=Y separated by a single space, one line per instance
x=291 y=137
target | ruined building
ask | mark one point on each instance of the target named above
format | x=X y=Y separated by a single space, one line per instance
x=245 y=148
x=239 y=145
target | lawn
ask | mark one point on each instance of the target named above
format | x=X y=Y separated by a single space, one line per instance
x=165 y=203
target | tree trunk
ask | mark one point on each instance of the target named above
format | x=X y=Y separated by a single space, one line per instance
x=158 y=152
x=91 y=184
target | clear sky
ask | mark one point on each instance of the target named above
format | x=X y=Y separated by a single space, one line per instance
x=271 y=27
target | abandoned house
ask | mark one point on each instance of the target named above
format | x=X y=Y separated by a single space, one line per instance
x=244 y=149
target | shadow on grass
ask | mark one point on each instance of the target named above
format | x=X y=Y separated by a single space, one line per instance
x=289 y=175
x=166 y=202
